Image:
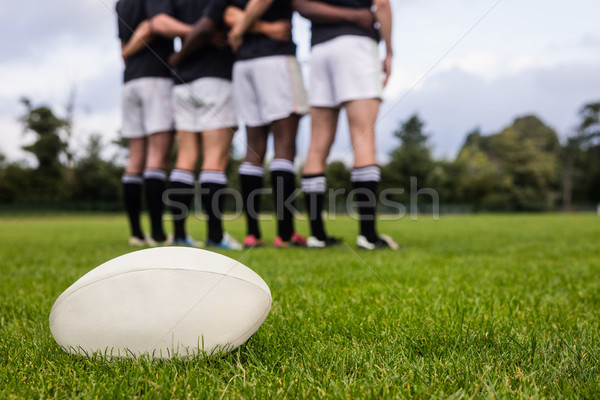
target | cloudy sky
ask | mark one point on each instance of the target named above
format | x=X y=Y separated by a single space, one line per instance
x=459 y=64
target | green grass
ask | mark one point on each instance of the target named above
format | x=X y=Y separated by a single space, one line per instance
x=473 y=307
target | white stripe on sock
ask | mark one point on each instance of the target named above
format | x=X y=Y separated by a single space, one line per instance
x=315 y=184
x=213 y=177
x=132 y=179
x=281 y=164
x=182 y=176
x=250 y=169
x=372 y=173
x=155 y=174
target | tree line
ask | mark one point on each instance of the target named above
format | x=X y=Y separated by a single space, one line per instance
x=524 y=167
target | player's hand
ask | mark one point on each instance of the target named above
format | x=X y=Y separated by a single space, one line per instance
x=387 y=68
x=235 y=38
x=365 y=19
x=278 y=30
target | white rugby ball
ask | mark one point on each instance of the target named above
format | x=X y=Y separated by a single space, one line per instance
x=164 y=302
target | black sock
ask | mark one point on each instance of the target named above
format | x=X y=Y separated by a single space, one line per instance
x=251 y=181
x=155 y=185
x=181 y=195
x=211 y=185
x=314 y=187
x=283 y=179
x=132 y=197
x=365 y=181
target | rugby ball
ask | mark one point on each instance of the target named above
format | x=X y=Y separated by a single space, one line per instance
x=164 y=302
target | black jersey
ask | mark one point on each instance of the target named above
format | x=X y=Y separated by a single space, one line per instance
x=151 y=61
x=324 y=32
x=208 y=61
x=258 y=45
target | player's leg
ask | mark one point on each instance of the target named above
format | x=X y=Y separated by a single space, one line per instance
x=314 y=184
x=251 y=181
x=213 y=181
x=155 y=181
x=132 y=129
x=365 y=176
x=181 y=183
x=281 y=94
x=132 y=188
x=156 y=95
x=324 y=114
x=283 y=178
x=248 y=107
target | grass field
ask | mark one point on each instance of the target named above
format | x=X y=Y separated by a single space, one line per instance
x=473 y=307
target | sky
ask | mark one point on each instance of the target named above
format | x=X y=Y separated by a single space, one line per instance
x=461 y=65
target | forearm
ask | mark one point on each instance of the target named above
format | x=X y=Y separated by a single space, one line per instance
x=234 y=16
x=317 y=11
x=198 y=36
x=253 y=11
x=165 y=25
x=140 y=39
x=383 y=14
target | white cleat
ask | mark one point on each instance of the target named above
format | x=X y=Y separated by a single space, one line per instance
x=382 y=242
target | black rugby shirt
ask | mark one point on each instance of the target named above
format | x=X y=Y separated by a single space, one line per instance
x=152 y=60
x=324 y=32
x=259 y=45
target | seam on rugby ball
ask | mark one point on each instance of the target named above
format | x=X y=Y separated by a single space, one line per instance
x=55 y=305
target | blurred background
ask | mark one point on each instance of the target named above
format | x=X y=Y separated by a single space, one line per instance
x=494 y=104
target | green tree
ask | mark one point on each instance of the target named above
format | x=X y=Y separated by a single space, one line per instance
x=47 y=148
x=580 y=158
x=479 y=180
x=96 y=182
x=411 y=159
x=48 y=145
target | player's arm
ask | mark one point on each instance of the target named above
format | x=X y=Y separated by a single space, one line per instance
x=165 y=25
x=324 y=13
x=383 y=14
x=253 y=11
x=140 y=39
x=277 y=30
x=199 y=35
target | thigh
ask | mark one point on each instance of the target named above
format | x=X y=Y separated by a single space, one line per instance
x=245 y=95
x=137 y=156
x=188 y=150
x=216 y=109
x=157 y=96
x=159 y=147
x=216 y=145
x=280 y=88
x=321 y=93
x=362 y=118
x=132 y=125
x=355 y=68
x=323 y=129
x=184 y=108
x=284 y=136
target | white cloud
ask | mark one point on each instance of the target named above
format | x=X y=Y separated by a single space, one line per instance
x=522 y=57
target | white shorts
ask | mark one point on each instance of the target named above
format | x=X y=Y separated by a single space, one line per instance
x=147 y=107
x=204 y=104
x=343 y=69
x=267 y=89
